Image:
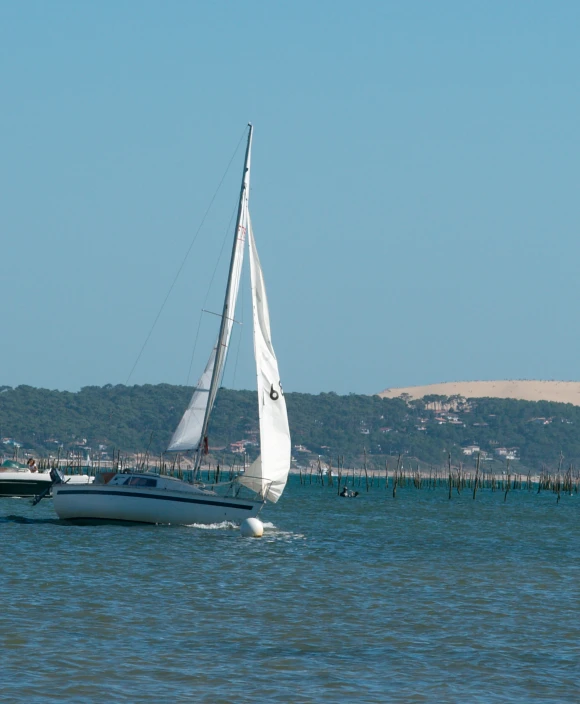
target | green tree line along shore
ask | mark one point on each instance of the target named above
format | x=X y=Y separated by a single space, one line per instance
x=141 y=418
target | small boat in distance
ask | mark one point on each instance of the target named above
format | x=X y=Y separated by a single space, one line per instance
x=150 y=498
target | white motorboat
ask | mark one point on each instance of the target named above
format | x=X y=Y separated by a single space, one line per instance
x=151 y=498
x=16 y=480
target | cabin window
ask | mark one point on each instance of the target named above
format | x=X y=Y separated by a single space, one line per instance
x=141 y=481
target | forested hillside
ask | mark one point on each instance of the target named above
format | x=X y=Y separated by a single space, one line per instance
x=134 y=418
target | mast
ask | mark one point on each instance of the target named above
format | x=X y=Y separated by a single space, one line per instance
x=222 y=343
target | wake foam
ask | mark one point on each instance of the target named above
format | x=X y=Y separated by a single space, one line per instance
x=274 y=533
x=224 y=525
x=271 y=532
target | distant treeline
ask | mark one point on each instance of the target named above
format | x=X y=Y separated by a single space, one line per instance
x=137 y=418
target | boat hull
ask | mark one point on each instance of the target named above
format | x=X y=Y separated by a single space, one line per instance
x=149 y=505
x=25 y=484
x=18 y=484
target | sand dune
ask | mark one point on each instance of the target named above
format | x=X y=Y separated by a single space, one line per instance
x=529 y=390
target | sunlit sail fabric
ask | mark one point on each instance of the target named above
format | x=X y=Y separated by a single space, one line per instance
x=269 y=473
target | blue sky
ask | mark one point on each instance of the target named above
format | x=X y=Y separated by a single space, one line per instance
x=414 y=189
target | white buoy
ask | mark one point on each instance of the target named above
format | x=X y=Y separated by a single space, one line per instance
x=252 y=528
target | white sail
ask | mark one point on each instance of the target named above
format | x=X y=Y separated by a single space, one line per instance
x=269 y=473
x=187 y=435
x=193 y=425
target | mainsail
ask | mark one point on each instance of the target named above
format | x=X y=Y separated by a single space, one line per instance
x=192 y=428
x=269 y=473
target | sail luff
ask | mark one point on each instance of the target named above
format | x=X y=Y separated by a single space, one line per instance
x=231 y=294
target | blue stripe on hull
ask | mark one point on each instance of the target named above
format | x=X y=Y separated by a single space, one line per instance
x=205 y=502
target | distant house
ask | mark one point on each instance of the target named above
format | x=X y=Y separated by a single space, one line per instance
x=470 y=449
x=510 y=453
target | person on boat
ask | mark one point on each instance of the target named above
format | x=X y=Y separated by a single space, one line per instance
x=32 y=465
x=344 y=491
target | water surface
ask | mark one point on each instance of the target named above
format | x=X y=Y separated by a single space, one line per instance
x=418 y=599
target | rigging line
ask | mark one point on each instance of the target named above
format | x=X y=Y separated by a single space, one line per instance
x=226 y=237
x=193 y=350
x=185 y=258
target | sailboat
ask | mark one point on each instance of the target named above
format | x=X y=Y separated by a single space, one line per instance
x=151 y=498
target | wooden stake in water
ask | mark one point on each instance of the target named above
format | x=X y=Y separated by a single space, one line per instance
x=396 y=477
x=476 y=475
x=507 y=488
x=450 y=478
x=365 y=468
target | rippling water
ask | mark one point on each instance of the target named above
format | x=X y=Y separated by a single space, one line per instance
x=418 y=599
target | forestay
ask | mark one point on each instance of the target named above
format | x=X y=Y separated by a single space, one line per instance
x=269 y=473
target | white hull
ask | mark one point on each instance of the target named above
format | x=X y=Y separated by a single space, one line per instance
x=183 y=505
x=23 y=483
